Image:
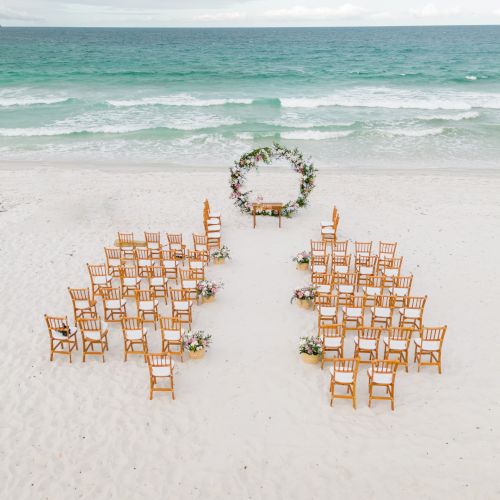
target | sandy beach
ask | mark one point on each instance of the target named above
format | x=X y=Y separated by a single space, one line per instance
x=250 y=420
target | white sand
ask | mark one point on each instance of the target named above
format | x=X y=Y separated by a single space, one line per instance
x=250 y=420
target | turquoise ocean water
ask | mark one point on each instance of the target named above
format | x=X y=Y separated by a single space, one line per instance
x=427 y=96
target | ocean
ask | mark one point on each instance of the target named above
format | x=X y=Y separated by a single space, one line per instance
x=348 y=97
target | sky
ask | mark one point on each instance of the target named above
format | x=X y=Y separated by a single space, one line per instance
x=225 y=13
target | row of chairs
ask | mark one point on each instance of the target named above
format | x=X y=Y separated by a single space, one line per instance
x=396 y=343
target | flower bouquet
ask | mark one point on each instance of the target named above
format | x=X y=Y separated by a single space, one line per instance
x=221 y=254
x=304 y=296
x=302 y=259
x=196 y=343
x=310 y=349
x=208 y=289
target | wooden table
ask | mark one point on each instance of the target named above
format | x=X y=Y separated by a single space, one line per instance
x=266 y=206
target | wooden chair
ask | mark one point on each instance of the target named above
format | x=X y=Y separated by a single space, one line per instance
x=382 y=373
x=346 y=286
x=382 y=311
x=130 y=281
x=213 y=237
x=83 y=303
x=344 y=373
x=318 y=252
x=391 y=268
x=189 y=283
x=158 y=282
x=400 y=288
x=412 y=311
x=200 y=242
x=170 y=263
x=324 y=291
x=330 y=223
x=99 y=278
x=430 y=343
x=181 y=306
x=386 y=252
x=94 y=334
x=176 y=246
x=147 y=306
x=319 y=268
x=373 y=286
x=161 y=367
x=144 y=260
x=196 y=267
x=329 y=232
x=397 y=342
x=365 y=267
x=339 y=248
x=134 y=336
x=210 y=214
x=202 y=256
x=366 y=342
x=115 y=306
x=62 y=337
x=126 y=241
x=341 y=263
x=171 y=337
x=363 y=248
x=153 y=244
x=353 y=312
x=332 y=337
x=113 y=261
x=328 y=312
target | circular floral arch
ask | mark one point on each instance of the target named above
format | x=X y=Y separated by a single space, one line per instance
x=266 y=155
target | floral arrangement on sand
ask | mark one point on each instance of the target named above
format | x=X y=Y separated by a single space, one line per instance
x=304 y=293
x=302 y=257
x=266 y=155
x=310 y=345
x=208 y=288
x=197 y=340
x=221 y=253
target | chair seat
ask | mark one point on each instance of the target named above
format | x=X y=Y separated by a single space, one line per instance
x=328 y=230
x=182 y=305
x=366 y=270
x=333 y=341
x=318 y=268
x=380 y=378
x=341 y=269
x=92 y=335
x=175 y=246
x=342 y=377
x=102 y=280
x=346 y=288
x=114 y=262
x=410 y=313
x=145 y=263
x=135 y=334
x=172 y=334
x=353 y=312
x=201 y=248
x=213 y=235
x=369 y=344
x=323 y=288
x=131 y=281
x=326 y=223
x=327 y=311
x=215 y=215
x=381 y=312
x=189 y=284
x=428 y=345
x=318 y=253
x=372 y=290
x=153 y=245
x=161 y=371
x=213 y=220
x=115 y=303
x=400 y=292
x=395 y=345
x=170 y=264
x=82 y=304
x=148 y=305
x=391 y=272
x=158 y=281
x=196 y=265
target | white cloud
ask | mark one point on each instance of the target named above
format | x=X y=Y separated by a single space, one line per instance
x=222 y=16
x=8 y=14
x=430 y=10
x=300 y=12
